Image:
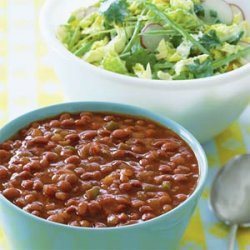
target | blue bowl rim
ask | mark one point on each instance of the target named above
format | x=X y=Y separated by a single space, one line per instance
x=74 y=107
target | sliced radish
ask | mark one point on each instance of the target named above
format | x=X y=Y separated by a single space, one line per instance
x=149 y=41
x=222 y=8
x=237 y=11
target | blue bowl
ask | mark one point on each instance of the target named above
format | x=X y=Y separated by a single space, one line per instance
x=27 y=232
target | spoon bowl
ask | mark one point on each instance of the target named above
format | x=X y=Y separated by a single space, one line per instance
x=230 y=199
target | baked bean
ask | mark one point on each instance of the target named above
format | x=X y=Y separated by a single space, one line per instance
x=20 y=202
x=123 y=200
x=75 y=223
x=131 y=222
x=180 y=177
x=103 y=132
x=94 y=208
x=71 y=209
x=97 y=170
x=36 y=213
x=135 y=183
x=32 y=166
x=84 y=151
x=64 y=186
x=73 y=138
x=178 y=159
x=85 y=223
x=4 y=155
x=144 y=162
x=91 y=175
x=165 y=199
x=145 y=209
x=88 y=135
x=134 y=216
x=27 y=184
x=106 y=140
x=71 y=202
x=38 y=185
x=82 y=208
x=17 y=144
x=54 y=124
x=4 y=173
x=80 y=122
x=138 y=203
x=51 y=156
x=49 y=189
x=66 y=152
x=70 y=166
x=67 y=123
x=38 y=206
x=165 y=169
x=74 y=159
x=56 y=218
x=57 y=138
x=147 y=216
x=71 y=178
x=150 y=132
x=146 y=176
x=29 y=198
x=36 y=132
x=125 y=187
x=44 y=163
x=61 y=196
x=37 y=141
x=167 y=208
x=50 y=146
x=11 y=193
x=181 y=197
x=122 y=217
x=88 y=115
x=171 y=146
x=120 y=134
x=94 y=149
x=151 y=156
x=112 y=220
x=100 y=224
x=119 y=154
x=161 y=178
x=158 y=143
x=8 y=145
x=182 y=170
x=138 y=149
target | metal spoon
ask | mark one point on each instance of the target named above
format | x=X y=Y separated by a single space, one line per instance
x=230 y=195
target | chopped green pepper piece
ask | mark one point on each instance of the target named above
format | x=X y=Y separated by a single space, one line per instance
x=92 y=193
x=166 y=185
x=111 y=126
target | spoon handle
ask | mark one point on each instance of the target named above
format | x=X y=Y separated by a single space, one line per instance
x=232 y=236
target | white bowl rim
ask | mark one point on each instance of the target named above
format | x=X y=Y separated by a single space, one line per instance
x=57 y=46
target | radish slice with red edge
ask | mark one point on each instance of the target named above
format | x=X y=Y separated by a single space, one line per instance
x=237 y=11
x=149 y=41
x=217 y=10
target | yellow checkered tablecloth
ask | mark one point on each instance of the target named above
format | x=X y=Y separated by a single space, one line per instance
x=27 y=81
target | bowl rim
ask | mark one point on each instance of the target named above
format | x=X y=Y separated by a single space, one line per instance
x=74 y=107
x=56 y=46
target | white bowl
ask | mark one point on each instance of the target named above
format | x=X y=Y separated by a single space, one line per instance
x=204 y=106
